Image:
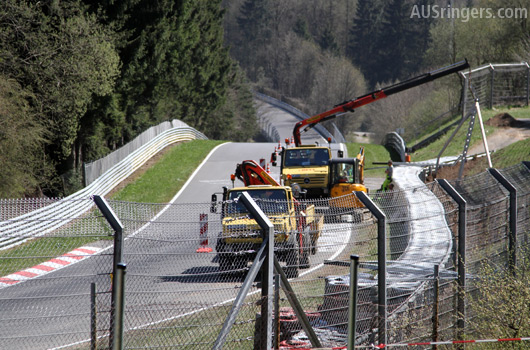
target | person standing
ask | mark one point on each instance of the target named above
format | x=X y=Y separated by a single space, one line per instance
x=389 y=173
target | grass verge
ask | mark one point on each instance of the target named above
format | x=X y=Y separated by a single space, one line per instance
x=372 y=153
x=163 y=179
x=456 y=146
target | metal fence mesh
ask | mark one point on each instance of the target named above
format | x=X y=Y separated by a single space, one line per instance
x=178 y=293
x=497 y=84
x=46 y=282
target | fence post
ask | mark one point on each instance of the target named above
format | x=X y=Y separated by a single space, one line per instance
x=93 y=318
x=352 y=317
x=460 y=256
x=492 y=81
x=435 y=305
x=119 y=304
x=512 y=235
x=464 y=94
x=117 y=226
x=276 y=312
x=381 y=262
x=264 y=258
x=527 y=84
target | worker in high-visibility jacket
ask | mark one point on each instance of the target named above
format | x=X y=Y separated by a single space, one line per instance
x=389 y=174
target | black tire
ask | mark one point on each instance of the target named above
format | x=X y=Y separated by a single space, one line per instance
x=314 y=248
x=225 y=262
x=306 y=251
x=292 y=260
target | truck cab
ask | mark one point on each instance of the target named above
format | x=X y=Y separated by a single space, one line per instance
x=346 y=176
x=308 y=167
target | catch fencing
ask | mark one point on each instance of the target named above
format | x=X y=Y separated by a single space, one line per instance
x=496 y=84
x=56 y=291
x=506 y=84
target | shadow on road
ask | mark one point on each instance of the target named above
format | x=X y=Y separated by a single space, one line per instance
x=206 y=274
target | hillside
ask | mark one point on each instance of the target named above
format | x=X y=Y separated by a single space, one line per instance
x=508 y=136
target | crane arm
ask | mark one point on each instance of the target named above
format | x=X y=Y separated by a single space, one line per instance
x=350 y=106
x=251 y=173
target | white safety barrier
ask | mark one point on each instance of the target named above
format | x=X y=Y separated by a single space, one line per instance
x=39 y=222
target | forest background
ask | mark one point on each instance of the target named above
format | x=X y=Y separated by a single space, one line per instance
x=79 y=79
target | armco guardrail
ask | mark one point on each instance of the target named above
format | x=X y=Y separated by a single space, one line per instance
x=396 y=142
x=41 y=221
x=95 y=169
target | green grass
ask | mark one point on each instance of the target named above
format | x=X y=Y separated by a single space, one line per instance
x=456 y=146
x=166 y=177
x=503 y=158
x=516 y=112
x=372 y=153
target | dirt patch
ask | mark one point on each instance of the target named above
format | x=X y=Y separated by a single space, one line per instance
x=508 y=130
x=472 y=166
x=506 y=120
x=502 y=119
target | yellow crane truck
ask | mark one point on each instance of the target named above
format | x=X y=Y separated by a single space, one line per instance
x=297 y=226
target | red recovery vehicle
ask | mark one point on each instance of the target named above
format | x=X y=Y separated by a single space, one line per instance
x=304 y=164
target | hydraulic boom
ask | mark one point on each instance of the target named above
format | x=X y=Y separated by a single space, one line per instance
x=350 y=106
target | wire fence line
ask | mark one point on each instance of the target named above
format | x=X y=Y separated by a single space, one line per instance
x=176 y=297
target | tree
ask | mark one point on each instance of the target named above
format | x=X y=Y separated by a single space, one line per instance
x=363 y=48
x=21 y=142
x=500 y=305
x=337 y=81
x=63 y=57
x=403 y=41
x=238 y=113
x=253 y=23
x=480 y=40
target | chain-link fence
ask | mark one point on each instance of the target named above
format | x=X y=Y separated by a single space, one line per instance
x=186 y=265
x=492 y=84
x=496 y=84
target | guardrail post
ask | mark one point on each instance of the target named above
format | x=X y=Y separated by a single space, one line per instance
x=117 y=226
x=381 y=262
x=460 y=256
x=512 y=235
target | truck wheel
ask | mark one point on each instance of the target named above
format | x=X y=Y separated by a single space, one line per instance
x=292 y=260
x=225 y=263
x=314 y=248
x=306 y=251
